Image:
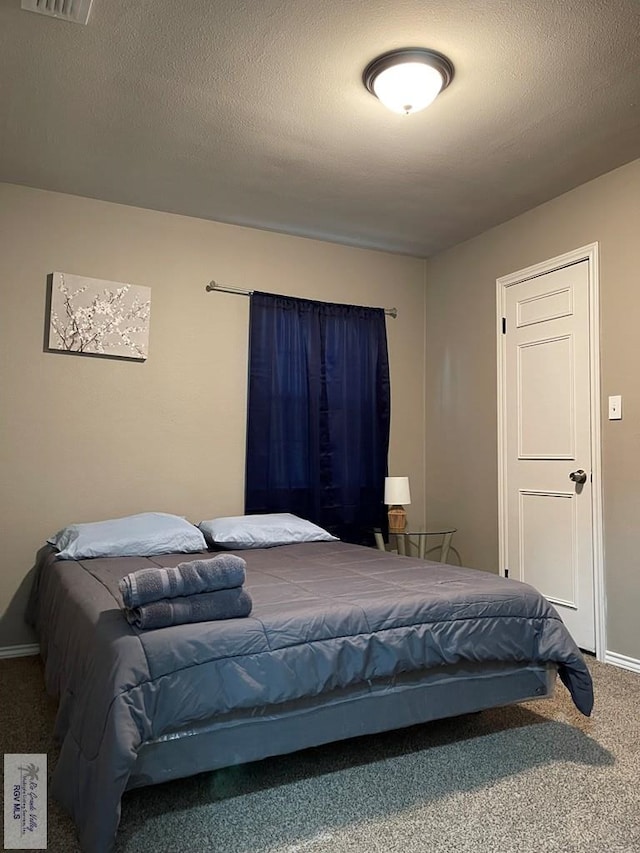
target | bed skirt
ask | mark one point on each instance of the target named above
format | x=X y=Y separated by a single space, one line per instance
x=366 y=709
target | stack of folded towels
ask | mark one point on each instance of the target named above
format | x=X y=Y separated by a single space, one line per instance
x=196 y=591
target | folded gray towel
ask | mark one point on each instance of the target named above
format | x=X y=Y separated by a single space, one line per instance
x=224 y=571
x=203 y=607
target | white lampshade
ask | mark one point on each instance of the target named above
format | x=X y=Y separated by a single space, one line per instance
x=409 y=79
x=396 y=491
x=408 y=88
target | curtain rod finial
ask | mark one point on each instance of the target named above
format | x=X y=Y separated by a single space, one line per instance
x=210 y=286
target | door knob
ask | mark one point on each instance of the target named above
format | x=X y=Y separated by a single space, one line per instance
x=578 y=476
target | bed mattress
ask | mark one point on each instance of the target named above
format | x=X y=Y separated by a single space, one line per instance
x=327 y=617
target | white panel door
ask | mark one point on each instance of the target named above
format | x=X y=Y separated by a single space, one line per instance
x=549 y=540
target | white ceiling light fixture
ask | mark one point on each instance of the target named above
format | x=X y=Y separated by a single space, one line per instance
x=408 y=80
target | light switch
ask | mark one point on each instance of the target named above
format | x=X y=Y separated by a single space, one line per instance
x=615 y=408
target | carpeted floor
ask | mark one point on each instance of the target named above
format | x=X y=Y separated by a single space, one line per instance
x=524 y=779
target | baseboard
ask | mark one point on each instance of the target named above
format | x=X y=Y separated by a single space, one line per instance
x=622 y=661
x=19 y=651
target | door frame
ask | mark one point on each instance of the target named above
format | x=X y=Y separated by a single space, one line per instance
x=590 y=254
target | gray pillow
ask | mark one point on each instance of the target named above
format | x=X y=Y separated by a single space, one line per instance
x=262 y=531
x=140 y=535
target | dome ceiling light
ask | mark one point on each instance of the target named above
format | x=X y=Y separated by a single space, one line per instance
x=408 y=80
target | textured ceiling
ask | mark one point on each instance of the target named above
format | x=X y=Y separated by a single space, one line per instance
x=255 y=113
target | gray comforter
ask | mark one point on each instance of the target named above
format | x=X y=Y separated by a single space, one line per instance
x=326 y=616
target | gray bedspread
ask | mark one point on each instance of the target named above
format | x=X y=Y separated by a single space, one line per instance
x=326 y=615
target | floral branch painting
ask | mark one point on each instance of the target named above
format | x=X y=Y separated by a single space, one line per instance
x=89 y=315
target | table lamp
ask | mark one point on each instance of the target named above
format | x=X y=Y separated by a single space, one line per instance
x=396 y=493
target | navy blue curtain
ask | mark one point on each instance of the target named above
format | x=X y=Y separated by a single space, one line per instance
x=318 y=413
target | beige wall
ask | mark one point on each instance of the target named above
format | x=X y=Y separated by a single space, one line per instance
x=461 y=461
x=89 y=438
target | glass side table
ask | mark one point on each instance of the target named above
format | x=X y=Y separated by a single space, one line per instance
x=417 y=540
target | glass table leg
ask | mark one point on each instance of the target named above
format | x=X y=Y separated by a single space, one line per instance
x=446 y=544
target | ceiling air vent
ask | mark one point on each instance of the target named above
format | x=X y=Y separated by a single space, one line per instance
x=67 y=10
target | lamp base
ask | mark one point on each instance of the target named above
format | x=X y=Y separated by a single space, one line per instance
x=397 y=519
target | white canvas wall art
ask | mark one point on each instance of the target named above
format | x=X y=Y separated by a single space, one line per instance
x=97 y=317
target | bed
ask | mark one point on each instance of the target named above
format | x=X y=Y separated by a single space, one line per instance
x=342 y=641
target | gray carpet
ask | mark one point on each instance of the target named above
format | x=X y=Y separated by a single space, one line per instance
x=529 y=778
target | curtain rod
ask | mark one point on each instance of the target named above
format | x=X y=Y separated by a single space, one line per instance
x=213 y=285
